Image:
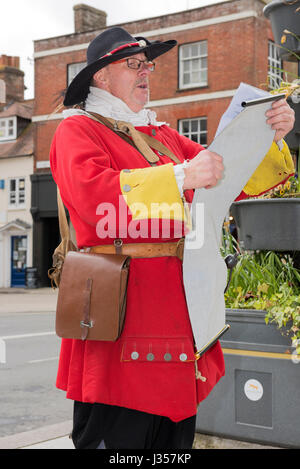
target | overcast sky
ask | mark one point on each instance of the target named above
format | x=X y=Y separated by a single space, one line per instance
x=23 y=21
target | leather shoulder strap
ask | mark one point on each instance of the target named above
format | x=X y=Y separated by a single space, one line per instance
x=150 y=141
x=107 y=123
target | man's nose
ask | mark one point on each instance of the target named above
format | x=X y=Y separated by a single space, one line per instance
x=144 y=69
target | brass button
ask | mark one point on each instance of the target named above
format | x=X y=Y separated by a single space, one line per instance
x=135 y=355
x=167 y=357
x=183 y=357
x=150 y=357
x=126 y=188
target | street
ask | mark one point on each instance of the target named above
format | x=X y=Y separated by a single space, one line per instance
x=29 y=351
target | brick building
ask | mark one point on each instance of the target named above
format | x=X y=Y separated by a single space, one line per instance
x=219 y=46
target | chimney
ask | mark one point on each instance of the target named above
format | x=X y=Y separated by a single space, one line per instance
x=13 y=78
x=87 y=18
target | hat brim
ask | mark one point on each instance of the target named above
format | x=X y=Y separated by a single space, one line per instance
x=79 y=87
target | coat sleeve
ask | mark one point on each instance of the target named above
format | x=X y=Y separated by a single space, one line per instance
x=82 y=166
x=275 y=169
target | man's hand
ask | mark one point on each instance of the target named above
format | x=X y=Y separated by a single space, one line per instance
x=281 y=118
x=205 y=170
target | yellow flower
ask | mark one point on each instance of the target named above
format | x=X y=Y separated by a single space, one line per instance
x=283 y=39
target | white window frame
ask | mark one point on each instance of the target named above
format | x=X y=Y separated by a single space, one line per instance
x=8 y=128
x=17 y=198
x=190 y=133
x=74 y=69
x=275 y=76
x=188 y=59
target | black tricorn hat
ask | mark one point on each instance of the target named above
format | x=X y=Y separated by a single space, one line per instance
x=111 y=45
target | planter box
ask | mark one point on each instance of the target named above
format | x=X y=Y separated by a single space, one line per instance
x=268 y=224
x=284 y=16
x=258 y=400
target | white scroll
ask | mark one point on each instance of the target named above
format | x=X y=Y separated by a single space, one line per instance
x=243 y=144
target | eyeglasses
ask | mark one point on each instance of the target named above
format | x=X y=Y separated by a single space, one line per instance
x=136 y=64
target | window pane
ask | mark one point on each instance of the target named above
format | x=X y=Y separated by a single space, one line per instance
x=186 y=79
x=203 y=48
x=203 y=124
x=21 y=183
x=2 y=123
x=186 y=66
x=10 y=123
x=195 y=124
x=74 y=69
x=195 y=50
x=12 y=185
x=195 y=77
x=196 y=64
x=185 y=52
x=203 y=139
x=185 y=127
x=203 y=76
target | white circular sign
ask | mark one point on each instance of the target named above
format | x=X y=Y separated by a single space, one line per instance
x=253 y=390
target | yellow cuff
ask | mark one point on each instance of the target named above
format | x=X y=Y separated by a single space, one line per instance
x=152 y=193
x=276 y=167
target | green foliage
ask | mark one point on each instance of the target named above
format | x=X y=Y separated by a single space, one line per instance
x=265 y=280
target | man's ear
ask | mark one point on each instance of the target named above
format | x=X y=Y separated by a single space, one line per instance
x=100 y=79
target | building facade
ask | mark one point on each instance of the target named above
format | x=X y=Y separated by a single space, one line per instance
x=16 y=168
x=219 y=46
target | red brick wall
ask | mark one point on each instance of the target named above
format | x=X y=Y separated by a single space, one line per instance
x=213 y=109
x=237 y=51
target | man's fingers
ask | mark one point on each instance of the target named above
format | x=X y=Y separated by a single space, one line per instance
x=282 y=108
x=283 y=117
x=217 y=157
x=279 y=103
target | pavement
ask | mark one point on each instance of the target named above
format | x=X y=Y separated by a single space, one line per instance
x=57 y=436
x=22 y=300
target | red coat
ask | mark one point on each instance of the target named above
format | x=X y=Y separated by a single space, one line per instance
x=86 y=160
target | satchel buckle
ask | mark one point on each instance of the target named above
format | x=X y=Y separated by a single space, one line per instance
x=84 y=324
x=118 y=243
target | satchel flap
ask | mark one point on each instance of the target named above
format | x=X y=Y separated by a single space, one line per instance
x=104 y=273
x=157 y=349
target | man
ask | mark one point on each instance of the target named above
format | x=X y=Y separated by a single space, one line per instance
x=141 y=391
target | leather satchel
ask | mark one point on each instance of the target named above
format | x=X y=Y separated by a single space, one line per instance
x=91 y=300
x=92 y=296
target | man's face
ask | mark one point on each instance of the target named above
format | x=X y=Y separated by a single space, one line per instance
x=130 y=85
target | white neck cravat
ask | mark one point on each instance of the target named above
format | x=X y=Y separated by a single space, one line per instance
x=107 y=105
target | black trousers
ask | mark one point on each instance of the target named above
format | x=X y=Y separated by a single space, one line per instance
x=112 y=427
